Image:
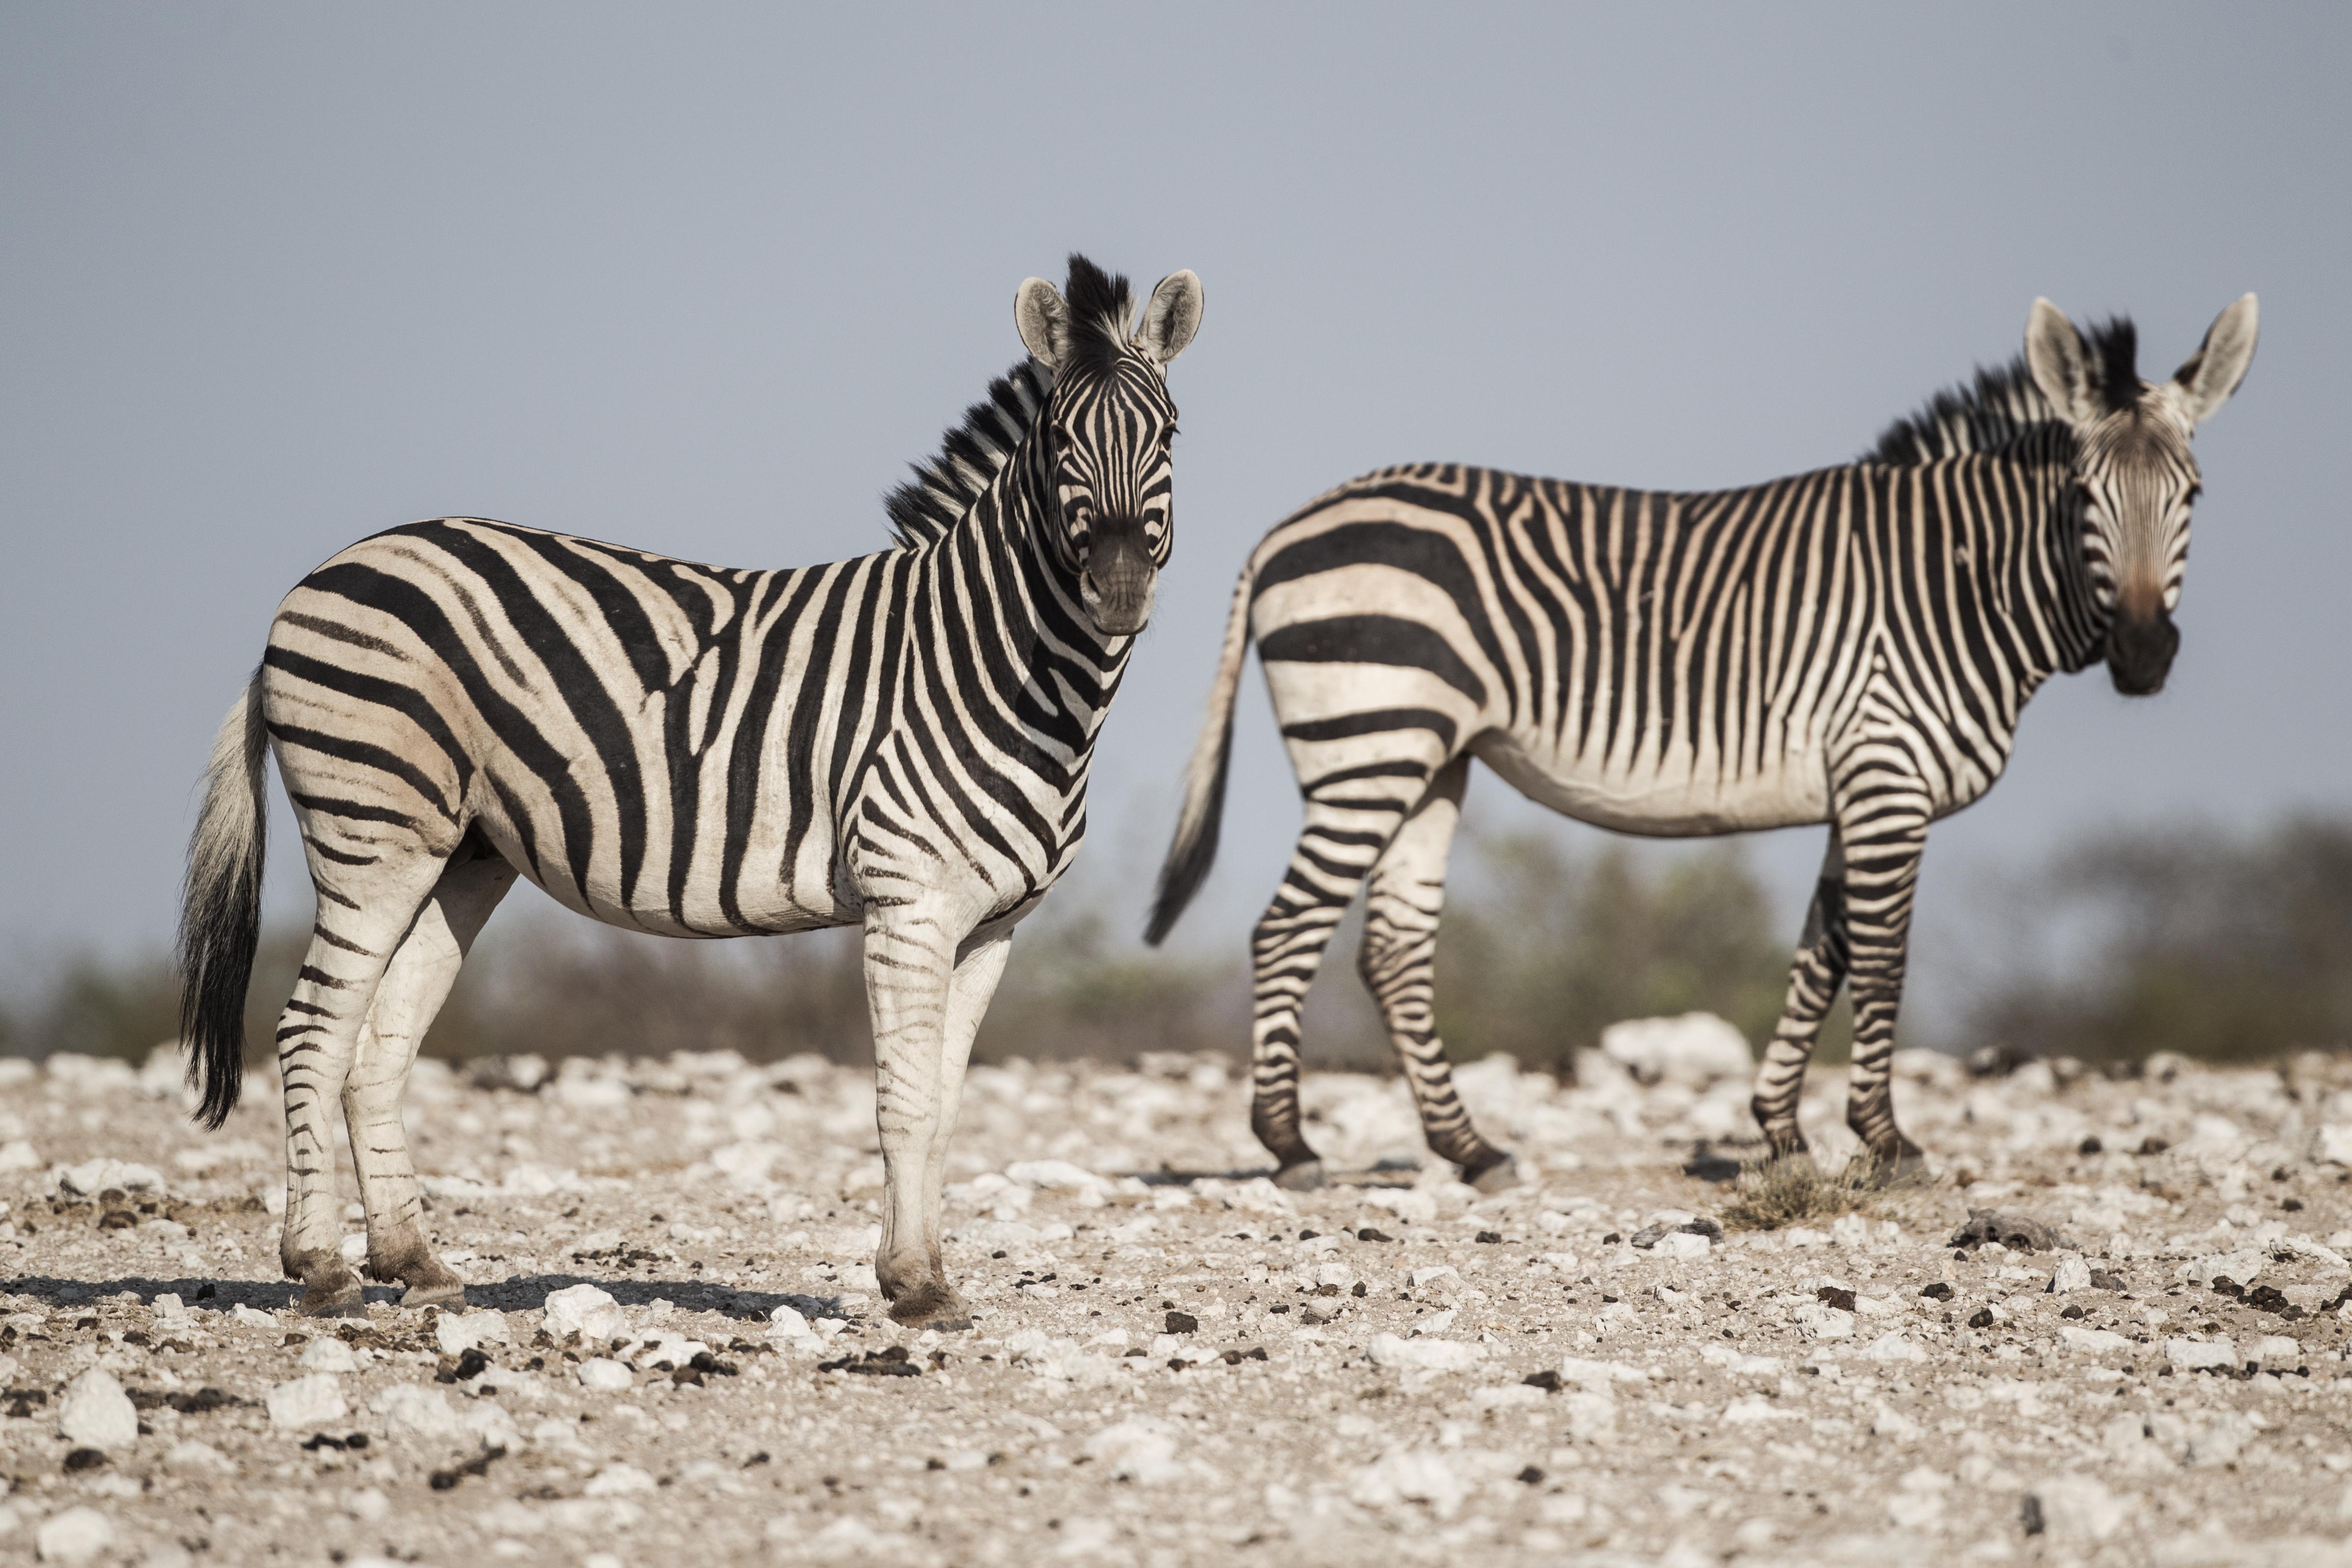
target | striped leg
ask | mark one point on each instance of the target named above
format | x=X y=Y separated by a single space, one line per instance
x=317 y=1037
x=1883 y=853
x=925 y=1007
x=1398 y=963
x=1336 y=849
x=411 y=992
x=1813 y=982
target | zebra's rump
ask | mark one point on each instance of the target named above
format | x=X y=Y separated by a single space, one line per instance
x=602 y=716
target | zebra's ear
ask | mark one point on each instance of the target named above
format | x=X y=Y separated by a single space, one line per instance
x=1171 y=317
x=2060 y=364
x=2213 y=372
x=1044 y=319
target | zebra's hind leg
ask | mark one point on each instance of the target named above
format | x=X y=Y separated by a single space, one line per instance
x=1336 y=849
x=1398 y=963
x=318 y=1035
x=926 y=1006
x=413 y=986
x=1813 y=981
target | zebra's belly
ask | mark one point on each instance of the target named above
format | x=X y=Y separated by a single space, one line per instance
x=1666 y=797
x=755 y=897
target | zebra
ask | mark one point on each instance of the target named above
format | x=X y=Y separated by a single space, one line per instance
x=1849 y=646
x=900 y=742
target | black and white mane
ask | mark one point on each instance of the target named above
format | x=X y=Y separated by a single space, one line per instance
x=2001 y=408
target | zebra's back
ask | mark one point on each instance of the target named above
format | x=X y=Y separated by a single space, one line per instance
x=1658 y=662
x=600 y=715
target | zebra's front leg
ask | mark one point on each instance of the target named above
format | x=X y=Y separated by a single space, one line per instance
x=411 y=994
x=1398 y=963
x=1882 y=875
x=1813 y=981
x=922 y=1037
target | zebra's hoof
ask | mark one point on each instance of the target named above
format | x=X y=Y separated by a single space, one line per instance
x=436 y=1295
x=932 y=1305
x=1501 y=1175
x=1904 y=1162
x=1305 y=1176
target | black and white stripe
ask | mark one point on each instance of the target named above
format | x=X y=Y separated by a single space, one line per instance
x=1852 y=647
x=901 y=740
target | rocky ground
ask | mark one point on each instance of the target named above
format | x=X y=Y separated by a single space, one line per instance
x=1176 y=1363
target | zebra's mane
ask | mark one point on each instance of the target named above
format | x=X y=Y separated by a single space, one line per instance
x=944 y=488
x=2000 y=407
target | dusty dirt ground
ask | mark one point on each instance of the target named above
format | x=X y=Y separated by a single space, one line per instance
x=1348 y=1379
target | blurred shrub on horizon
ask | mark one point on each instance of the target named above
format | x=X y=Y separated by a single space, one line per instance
x=2221 y=946
x=2177 y=939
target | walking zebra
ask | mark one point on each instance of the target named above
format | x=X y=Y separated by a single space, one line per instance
x=1852 y=647
x=901 y=740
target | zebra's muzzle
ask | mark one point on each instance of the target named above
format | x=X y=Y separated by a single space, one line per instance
x=2140 y=652
x=1118 y=581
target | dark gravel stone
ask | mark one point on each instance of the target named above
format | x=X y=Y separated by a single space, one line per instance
x=1938 y=1291
x=1832 y=1296
x=1183 y=1324
x=2015 y=1231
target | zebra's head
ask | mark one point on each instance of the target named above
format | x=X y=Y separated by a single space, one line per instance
x=1109 y=425
x=2134 y=476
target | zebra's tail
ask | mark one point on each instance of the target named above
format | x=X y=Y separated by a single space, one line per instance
x=1194 y=847
x=220 y=908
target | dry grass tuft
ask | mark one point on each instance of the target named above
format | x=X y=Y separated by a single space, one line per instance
x=1775 y=1192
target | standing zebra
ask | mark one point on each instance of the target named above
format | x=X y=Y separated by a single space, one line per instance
x=1852 y=647
x=901 y=741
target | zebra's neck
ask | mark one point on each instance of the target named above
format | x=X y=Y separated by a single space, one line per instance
x=1032 y=640
x=2045 y=579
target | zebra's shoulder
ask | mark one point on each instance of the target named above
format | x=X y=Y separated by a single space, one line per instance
x=970 y=457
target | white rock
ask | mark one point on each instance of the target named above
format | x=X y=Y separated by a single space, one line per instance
x=1053 y=1174
x=1682 y=1244
x=458 y=1332
x=414 y=1407
x=2190 y=1356
x=1420 y=1277
x=1141 y=1448
x=241 y=1313
x=16 y=1154
x=310 y=1401
x=2077 y=1509
x=1819 y=1320
x=1423 y=1354
x=2220 y=1442
x=597 y=1241
x=92 y=1177
x=2241 y=1265
x=2095 y=1341
x=1408 y=1203
x=95 y=1414
x=76 y=1535
x=1895 y=1347
x=1754 y=1408
x=366 y=1504
x=329 y=1354
x=1591 y=1415
x=2332 y=1144
x=1802 y=1235
x=1887 y=1421
x=1850 y=1231
x=590 y=1312
x=604 y=1375
x=191 y=1457
x=1696 y=1048
x=2072 y=1273
x=2275 y=1351
x=615 y=1481
x=1408 y=1475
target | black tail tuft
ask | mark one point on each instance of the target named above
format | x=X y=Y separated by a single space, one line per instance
x=220 y=908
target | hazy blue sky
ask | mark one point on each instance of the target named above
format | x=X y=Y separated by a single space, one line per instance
x=703 y=279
